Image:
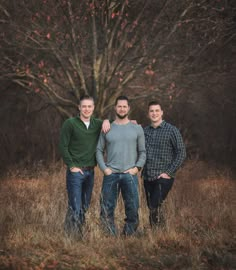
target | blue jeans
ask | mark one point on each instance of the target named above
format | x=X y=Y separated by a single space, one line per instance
x=79 y=190
x=111 y=187
x=156 y=192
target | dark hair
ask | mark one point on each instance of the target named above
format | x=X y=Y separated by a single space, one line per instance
x=83 y=97
x=153 y=102
x=121 y=98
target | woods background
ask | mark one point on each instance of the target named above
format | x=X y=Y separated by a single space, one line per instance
x=179 y=52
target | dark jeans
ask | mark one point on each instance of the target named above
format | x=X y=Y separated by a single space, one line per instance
x=79 y=189
x=156 y=192
x=112 y=185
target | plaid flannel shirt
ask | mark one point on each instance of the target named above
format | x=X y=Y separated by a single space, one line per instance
x=165 y=151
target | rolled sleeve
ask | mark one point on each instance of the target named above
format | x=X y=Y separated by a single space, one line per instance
x=179 y=152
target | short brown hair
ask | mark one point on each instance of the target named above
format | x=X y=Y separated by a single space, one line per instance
x=122 y=98
x=83 y=97
x=153 y=102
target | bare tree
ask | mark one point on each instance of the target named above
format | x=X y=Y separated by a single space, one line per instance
x=61 y=49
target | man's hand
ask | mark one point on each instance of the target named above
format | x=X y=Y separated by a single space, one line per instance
x=76 y=169
x=106 y=126
x=164 y=175
x=132 y=171
x=107 y=171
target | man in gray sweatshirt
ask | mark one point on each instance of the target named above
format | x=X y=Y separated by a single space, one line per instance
x=125 y=151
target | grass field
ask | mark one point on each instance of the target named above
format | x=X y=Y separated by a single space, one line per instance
x=200 y=230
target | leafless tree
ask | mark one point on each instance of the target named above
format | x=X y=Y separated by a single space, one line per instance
x=61 y=49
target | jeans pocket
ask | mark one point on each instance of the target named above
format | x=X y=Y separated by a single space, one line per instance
x=107 y=176
x=166 y=181
x=75 y=173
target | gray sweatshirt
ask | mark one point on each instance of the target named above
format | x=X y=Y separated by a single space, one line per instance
x=124 y=146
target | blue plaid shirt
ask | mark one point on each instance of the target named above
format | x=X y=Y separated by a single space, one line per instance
x=165 y=151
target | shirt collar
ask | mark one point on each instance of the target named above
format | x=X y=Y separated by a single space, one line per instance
x=91 y=118
x=160 y=126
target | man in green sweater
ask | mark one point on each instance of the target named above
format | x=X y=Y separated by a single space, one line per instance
x=78 y=141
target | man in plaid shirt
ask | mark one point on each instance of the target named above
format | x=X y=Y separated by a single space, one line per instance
x=165 y=152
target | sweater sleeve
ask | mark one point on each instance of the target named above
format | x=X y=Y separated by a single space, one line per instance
x=65 y=136
x=141 y=148
x=100 y=152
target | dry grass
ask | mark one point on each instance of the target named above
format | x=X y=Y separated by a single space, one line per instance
x=200 y=231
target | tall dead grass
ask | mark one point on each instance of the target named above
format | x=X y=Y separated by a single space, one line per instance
x=200 y=230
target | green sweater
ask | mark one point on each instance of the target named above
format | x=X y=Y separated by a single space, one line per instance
x=77 y=143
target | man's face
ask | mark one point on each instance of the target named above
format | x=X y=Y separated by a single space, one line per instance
x=122 y=109
x=86 y=108
x=155 y=113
